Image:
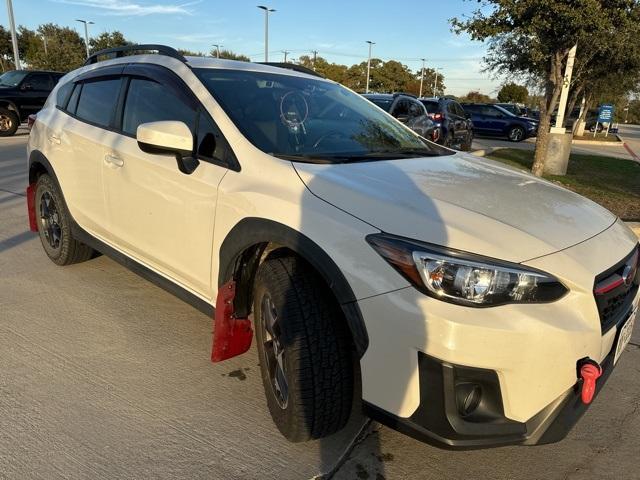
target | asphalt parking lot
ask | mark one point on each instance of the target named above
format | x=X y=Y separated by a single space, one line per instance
x=630 y=134
x=104 y=375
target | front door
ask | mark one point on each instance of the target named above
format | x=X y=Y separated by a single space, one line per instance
x=159 y=215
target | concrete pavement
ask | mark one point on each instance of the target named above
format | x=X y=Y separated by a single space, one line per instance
x=103 y=375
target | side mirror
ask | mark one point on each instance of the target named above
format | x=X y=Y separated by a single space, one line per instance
x=403 y=118
x=168 y=137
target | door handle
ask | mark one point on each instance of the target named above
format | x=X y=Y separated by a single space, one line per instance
x=113 y=160
x=54 y=139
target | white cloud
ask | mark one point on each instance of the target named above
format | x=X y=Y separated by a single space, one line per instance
x=129 y=8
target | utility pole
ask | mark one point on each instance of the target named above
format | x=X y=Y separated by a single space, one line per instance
x=286 y=52
x=315 y=56
x=371 y=44
x=217 y=49
x=421 y=78
x=86 y=32
x=566 y=83
x=435 y=81
x=14 y=37
x=267 y=11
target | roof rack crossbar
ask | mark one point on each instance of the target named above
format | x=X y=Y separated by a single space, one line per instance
x=118 y=52
x=294 y=67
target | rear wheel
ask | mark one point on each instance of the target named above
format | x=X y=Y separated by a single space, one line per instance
x=54 y=225
x=516 y=134
x=468 y=141
x=448 y=140
x=304 y=348
x=9 y=122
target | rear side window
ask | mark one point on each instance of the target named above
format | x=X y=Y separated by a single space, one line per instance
x=148 y=101
x=98 y=101
x=416 y=109
x=63 y=94
x=73 y=100
x=39 y=81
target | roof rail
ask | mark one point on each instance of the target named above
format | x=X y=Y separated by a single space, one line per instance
x=294 y=67
x=118 y=52
x=406 y=94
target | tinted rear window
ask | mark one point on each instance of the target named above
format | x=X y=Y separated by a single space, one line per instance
x=63 y=95
x=432 y=107
x=98 y=101
x=383 y=103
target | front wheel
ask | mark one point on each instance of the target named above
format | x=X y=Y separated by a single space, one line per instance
x=304 y=350
x=516 y=134
x=54 y=225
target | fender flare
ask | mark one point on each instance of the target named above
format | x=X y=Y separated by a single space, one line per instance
x=12 y=106
x=37 y=157
x=251 y=231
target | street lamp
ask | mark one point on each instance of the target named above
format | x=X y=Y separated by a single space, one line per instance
x=217 y=49
x=86 y=32
x=435 y=81
x=371 y=44
x=14 y=37
x=267 y=11
x=421 y=78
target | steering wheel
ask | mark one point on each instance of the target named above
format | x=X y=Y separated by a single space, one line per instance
x=332 y=133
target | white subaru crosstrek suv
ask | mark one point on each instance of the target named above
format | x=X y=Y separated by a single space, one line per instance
x=478 y=305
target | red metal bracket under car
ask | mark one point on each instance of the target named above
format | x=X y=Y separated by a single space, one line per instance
x=31 y=207
x=231 y=336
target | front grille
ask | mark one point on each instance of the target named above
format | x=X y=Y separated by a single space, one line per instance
x=613 y=295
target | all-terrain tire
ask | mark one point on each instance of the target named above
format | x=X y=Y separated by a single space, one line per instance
x=317 y=353
x=9 y=122
x=56 y=237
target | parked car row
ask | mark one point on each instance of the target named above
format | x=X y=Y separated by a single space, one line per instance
x=446 y=121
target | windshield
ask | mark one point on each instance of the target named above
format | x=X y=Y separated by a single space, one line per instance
x=306 y=119
x=12 y=79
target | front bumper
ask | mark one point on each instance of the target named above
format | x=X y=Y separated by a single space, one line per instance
x=437 y=420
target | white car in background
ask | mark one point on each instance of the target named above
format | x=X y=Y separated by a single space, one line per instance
x=482 y=306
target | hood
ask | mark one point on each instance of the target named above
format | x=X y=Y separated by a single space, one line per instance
x=462 y=202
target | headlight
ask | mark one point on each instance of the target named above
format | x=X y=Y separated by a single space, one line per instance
x=464 y=278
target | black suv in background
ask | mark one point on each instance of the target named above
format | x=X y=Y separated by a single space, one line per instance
x=22 y=93
x=492 y=120
x=408 y=110
x=457 y=129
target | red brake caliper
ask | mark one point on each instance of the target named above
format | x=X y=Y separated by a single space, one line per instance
x=231 y=336
x=589 y=372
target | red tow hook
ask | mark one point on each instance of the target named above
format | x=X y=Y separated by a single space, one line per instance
x=231 y=336
x=590 y=371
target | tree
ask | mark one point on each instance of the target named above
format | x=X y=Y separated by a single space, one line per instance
x=65 y=49
x=6 y=50
x=513 y=93
x=108 y=40
x=476 y=97
x=532 y=38
x=229 y=55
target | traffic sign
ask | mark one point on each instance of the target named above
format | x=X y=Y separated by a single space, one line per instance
x=605 y=113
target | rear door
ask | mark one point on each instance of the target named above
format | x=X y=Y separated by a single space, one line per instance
x=158 y=215
x=481 y=122
x=457 y=118
x=79 y=136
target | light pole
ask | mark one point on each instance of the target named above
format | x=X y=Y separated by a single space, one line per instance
x=421 y=78
x=315 y=56
x=435 y=81
x=86 y=32
x=286 y=52
x=217 y=49
x=14 y=37
x=371 y=44
x=267 y=11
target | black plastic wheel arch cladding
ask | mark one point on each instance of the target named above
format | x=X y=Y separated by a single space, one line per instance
x=240 y=256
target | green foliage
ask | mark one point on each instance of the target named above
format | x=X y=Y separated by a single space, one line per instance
x=513 y=93
x=65 y=49
x=6 y=50
x=476 y=97
x=108 y=40
x=386 y=77
x=229 y=55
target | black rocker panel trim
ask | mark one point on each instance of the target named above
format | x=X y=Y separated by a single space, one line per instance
x=252 y=231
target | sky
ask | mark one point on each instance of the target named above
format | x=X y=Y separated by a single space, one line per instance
x=405 y=30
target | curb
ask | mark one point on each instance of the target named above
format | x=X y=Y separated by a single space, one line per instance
x=483 y=152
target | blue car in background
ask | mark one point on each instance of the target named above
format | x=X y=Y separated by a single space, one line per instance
x=493 y=120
